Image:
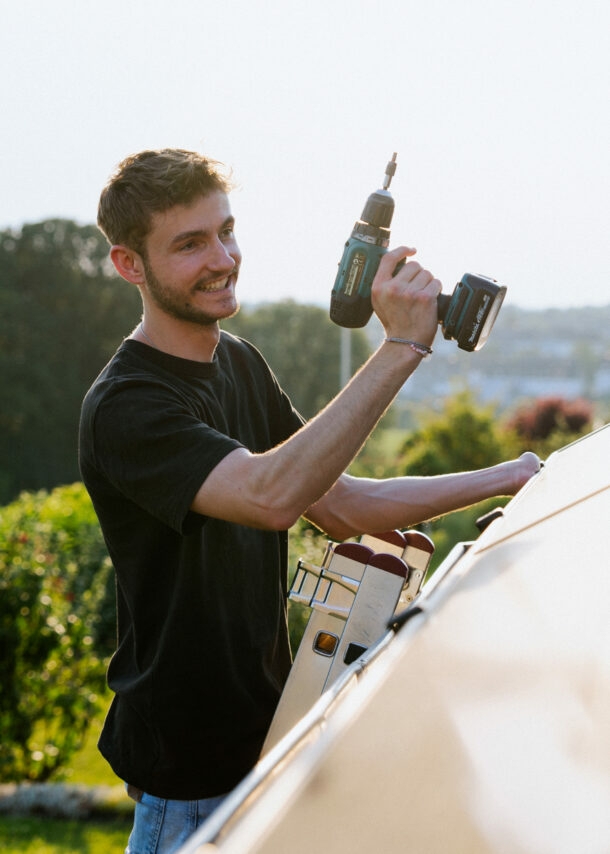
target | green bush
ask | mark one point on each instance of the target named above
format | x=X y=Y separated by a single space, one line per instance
x=464 y=436
x=307 y=543
x=54 y=617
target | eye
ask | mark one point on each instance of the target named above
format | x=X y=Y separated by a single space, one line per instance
x=227 y=230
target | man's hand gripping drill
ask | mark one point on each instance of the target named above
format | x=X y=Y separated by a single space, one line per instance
x=406 y=301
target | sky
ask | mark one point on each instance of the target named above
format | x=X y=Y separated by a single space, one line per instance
x=499 y=113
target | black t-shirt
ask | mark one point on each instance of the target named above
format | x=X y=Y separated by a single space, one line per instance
x=202 y=637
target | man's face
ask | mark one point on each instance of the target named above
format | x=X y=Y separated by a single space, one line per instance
x=192 y=260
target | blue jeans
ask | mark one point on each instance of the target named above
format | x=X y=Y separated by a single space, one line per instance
x=162 y=826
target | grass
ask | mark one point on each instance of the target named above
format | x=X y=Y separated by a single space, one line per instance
x=88 y=766
x=36 y=835
x=28 y=835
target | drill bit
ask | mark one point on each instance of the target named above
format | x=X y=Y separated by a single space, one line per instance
x=390 y=170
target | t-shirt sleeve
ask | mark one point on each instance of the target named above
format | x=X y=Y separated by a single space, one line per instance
x=154 y=450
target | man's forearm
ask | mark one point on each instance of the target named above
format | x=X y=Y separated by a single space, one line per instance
x=277 y=486
x=331 y=440
x=360 y=505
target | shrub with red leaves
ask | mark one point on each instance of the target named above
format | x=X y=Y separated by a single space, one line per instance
x=540 y=419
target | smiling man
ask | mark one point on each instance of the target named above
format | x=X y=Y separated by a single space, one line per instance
x=197 y=465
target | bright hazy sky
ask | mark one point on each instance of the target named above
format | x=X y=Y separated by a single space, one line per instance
x=499 y=112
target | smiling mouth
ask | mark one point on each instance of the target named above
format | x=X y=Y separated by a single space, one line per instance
x=218 y=285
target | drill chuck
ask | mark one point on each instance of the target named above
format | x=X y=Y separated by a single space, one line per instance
x=378 y=210
x=351 y=295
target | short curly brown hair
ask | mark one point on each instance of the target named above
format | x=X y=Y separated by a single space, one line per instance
x=152 y=182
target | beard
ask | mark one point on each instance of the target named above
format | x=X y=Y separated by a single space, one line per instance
x=178 y=306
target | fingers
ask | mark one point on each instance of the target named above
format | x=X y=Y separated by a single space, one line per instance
x=532 y=460
x=392 y=261
x=419 y=278
x=524 y=468
x=394 y=265
x=404 y=296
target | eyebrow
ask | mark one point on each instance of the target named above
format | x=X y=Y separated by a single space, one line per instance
x=200 y=232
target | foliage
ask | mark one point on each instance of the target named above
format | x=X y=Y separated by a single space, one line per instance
x=307 y=543
x=54 y=590
x=303 y=348
x=378 y=458
x=549 y=423
x=87 y=766
x=467 y=436
x=458 y=527
x=61 y=316
x=463 y=437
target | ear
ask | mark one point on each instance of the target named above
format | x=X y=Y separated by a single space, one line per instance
x=128 y=264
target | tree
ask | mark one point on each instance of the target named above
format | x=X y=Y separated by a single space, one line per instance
x=62 y=314
x=302 y=346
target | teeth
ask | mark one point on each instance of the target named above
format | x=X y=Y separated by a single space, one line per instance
x=216 y=286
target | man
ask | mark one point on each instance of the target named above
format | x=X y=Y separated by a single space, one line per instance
x=198 y=465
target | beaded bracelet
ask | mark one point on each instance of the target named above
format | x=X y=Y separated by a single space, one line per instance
x=420 y=349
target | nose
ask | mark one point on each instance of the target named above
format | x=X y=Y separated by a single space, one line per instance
x=222 y=257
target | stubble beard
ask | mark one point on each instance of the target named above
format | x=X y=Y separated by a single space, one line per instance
x=177 y=307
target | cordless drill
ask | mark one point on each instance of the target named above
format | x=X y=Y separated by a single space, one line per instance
x=467 y=316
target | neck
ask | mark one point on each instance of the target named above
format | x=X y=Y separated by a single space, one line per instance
x=142 y=332
x=194 y=342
